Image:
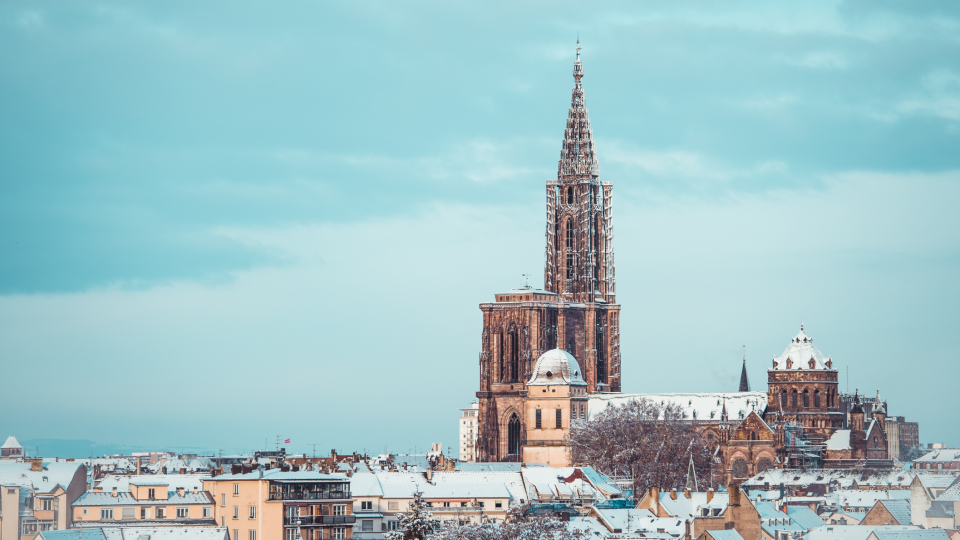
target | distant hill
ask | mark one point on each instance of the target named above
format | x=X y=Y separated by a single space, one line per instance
x=83 y=448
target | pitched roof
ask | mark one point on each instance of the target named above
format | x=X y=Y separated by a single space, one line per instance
x=744 y=381
x=899 y=509
x=140 y=533
x=840 y=440
x=728 y=534
x=805 y=517
x=704 y=405
x=92 y=498
x=851 y=532
x=11 y=443
x=801 y=354
x=59 y=473
x=912 y=534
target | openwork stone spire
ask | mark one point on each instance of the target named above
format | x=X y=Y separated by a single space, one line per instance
x=578 y=157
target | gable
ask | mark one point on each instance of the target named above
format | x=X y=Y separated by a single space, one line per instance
x=752 y=428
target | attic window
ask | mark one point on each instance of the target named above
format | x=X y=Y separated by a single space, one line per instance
x=549 y=374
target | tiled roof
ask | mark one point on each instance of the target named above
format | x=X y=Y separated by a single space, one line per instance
x=899 y=509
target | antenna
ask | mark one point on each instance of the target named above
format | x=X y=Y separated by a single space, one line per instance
x=526 y=281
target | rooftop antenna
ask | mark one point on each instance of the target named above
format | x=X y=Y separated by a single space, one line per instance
x=526 y=281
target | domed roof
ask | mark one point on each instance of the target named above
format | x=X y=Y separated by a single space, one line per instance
x=556 y=367
x=801 y=354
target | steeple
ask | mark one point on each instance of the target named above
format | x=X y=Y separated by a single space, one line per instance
x=692 y=476
x=744 y=382
x=578 y=157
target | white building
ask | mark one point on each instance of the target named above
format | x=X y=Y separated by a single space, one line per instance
x=468 y=432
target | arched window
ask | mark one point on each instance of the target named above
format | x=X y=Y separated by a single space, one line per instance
x=514 y=357
x=569 y=195
x=783 y=399
x=806 y=399
x=793 y=402
x=816 y=398
x=513 y=435
x=569 y=243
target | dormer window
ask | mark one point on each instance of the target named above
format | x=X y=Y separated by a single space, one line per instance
x=812 y=363
x=829 y=363
x=789 y=363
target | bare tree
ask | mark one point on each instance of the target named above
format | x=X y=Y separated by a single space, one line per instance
x=649 y=442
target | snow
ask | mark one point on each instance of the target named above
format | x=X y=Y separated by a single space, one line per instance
x=913 y=534
x=799 y=355
x=54 y=474
x=172 y=481
x=459 y=486
x=939 y=456
x=706 y=406
x=684 y=508
x=139 y=533
x=105 y=498
x=840 y=440
x=864 y=498
x=556 y=367
x=851 y=532
x=899 y=509
x=11 y=443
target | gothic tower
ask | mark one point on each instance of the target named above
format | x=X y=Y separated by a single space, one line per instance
x=576 y=311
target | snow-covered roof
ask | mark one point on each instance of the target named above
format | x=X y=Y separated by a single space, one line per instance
x=727 y=534
x=140 y=533
x=365 y=485
x=940 y=455
x=103 y=498
x=952 y=493
x=851 y=532
x=801 y=354
x=554 y=367
x=844 y=478
x=633 y=521
x=772 y=519
x=11 y=443
x=685 y=508
x=278 y=475
x=452 y=485
x=704 y=406
x=913 y=534
x=172 y=481
x=550 y=483
x=899 y=509
x=54 y=473
x=840 y=440
x=527 y=290
x=804 y=516
x=862 y=498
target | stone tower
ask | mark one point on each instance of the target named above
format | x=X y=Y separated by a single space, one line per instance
x=576 y=311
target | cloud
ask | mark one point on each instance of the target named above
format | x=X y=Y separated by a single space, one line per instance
x=686 y=164
x=941 y=97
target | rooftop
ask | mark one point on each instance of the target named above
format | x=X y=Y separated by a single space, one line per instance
x=11 y=443
x=801 y=354
x=555 y=367
x=702 y=406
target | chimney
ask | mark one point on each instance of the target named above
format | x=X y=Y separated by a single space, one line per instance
x=686 y=535
x=180 y=491
x=36 y=465
x=183 y=471
x=195 y=490
x=709 y=495
x=114 y=493
x=164 y=469
x=734 y=491
x=428 y=474
x=655 y=500
x=673 y=493
x=686 y=492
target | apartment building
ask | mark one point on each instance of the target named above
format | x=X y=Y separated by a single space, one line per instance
x=149 y=502
x=280 y=504
x=468 y=432
x=36 y=495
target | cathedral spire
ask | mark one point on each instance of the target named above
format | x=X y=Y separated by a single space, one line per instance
x=578 y=157
x=744 y=382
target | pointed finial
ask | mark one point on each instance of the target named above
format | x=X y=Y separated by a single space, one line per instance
x=801 y=324
x=578 y=45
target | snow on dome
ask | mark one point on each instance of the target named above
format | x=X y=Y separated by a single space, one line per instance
x=11 y=443
x=801 y=354
x=557 y=367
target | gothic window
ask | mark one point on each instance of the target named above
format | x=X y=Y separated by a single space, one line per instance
x=513 y=435
x=559 y=419
x=539 y=422
x=806 y=399
x=764 y=464
x=501 y=360
x=816 y=398
x=601 y=364
x=793 y=403
x=569 y=195
x=740 y=468
x=514 y=356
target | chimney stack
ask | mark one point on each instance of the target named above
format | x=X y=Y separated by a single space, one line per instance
x=36 y=465
x=709 y=495
x=655 y=499
x=673 y=493
x=195 y=490
x=686 y=535
x=686 y=492
x=114 y=493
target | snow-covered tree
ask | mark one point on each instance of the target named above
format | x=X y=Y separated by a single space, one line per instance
x=640 y=439
x=519 y=525
x=415 y=524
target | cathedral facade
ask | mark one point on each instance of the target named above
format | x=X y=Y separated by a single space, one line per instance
x=576 y=311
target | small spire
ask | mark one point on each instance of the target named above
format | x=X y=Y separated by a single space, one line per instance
x=692 y=476
x=744 y=381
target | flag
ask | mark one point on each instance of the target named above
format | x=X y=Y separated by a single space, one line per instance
x=286 y=441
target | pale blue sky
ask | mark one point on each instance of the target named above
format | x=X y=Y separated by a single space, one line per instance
x=224 y=221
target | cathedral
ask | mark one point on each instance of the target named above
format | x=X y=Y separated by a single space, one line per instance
x=551 y=356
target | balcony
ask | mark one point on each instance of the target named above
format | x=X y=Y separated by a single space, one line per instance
x=308 y=495
x=320 y=520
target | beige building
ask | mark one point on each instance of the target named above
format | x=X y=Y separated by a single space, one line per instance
x=277 y=504
x=468 y=432
x=150 y=502
x=556 y=395
x=36 y=496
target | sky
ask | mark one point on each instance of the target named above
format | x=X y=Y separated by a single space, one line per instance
x=224 y=222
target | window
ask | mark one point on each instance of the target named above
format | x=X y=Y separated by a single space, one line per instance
x=161 y=512
x=236 y=490
x=446 y=504
x=253 y=512
x=207 y=512
x=291 y=533
x=539 y=426
x=84 y=511
x=816 y=398
x=151 y=493
x=47 y=504
x=252 y=535
x=128 y=512
x=392 y=505
x=144 y=512
x=366 y=525
x=559 y=419
x=339 y=533
x=236 y=534
x=223 y=499
x=106 y=513
x=183 y=512
x=498 y=504
x=794 y=399
x=236 y=512
x=339 y=509
x=806 y=399
x=366 y=505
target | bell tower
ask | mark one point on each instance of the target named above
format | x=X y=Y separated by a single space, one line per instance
x=576 y=310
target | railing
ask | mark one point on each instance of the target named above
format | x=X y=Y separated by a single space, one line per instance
x=320 y=520
x=308 y=496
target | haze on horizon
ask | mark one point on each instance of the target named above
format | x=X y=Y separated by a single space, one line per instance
x=223 y=222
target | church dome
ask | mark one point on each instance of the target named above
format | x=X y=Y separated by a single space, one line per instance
x=801 y=355
x=557 y=367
